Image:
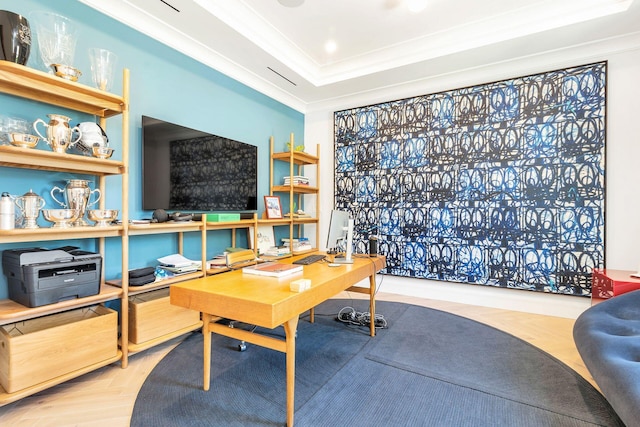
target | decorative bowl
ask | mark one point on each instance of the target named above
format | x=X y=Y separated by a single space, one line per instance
x=102 y=217
x=23 y=140
x=101 y=152
x=61 y=218
x=66 y=72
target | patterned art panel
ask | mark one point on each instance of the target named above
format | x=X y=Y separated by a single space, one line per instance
x=499 y=184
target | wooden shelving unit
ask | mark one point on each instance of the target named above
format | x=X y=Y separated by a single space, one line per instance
x=29 y=84
x=298 y=162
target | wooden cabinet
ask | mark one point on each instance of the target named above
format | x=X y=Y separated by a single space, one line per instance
x=296 y=195
x=29 y=84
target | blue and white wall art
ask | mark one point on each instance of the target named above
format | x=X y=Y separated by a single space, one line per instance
x=500 y=184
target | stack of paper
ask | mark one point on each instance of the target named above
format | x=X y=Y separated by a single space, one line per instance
x=177 y=263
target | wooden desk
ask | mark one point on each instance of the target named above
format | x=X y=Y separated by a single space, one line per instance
x=268 y=302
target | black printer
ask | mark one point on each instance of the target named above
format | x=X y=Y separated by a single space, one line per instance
x=39 y=276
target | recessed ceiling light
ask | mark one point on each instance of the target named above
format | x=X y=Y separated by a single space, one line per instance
x=291 y=3
x=330 y=46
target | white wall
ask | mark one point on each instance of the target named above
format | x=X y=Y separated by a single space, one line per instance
x=622 y=162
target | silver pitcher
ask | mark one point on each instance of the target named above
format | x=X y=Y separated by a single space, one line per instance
x=58 y=131
x=30 y=204
x=76 y=196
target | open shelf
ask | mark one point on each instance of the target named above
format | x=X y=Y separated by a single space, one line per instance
x=299 y=157
x=133 y=348
x=243 y=223
x=51 y=233
x=298 y=189
x=11 y=311
x=6 y=398
x=28 y=83
x=164 y=227
x=41 y=159
x=282 y=221
x=134 y=290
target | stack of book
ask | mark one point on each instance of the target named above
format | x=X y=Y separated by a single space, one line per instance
x=273 y=269
x=297 y=245
x=297 y=180
x=277 y=251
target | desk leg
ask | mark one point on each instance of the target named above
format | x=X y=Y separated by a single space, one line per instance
x=206 y=354
x=372 y=304
x=290 y=331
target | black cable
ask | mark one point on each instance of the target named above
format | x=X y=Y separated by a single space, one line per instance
x=350 y=316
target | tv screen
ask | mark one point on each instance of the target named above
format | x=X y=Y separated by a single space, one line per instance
x=188 y=170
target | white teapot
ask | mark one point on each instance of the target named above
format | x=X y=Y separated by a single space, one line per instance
x=92 y=135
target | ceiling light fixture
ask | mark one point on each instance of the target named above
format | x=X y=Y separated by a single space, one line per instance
x=291 y=3
x=330 y=46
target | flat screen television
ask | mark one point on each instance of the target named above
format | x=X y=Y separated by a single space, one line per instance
x=188 y=170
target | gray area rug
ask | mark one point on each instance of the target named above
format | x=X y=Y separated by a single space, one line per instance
x=429 y=368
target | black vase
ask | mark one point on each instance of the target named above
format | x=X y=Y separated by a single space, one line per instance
x=15 y=37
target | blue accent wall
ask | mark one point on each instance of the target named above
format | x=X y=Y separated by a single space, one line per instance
x=164 y=84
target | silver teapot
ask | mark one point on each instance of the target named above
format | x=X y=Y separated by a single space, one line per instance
x=76 y=196
x=30 y=204
x=59 y=133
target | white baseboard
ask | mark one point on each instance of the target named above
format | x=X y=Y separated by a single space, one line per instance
x=486 y=296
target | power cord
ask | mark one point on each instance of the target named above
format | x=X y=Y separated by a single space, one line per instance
x=350 y=316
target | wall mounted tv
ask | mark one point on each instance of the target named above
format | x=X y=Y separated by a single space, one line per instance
x=188 y=170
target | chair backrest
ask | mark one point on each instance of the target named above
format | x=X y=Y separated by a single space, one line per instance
x=240 y=259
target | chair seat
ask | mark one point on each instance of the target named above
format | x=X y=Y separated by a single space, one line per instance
x=607 y=336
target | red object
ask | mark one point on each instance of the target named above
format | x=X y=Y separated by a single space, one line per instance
x=607 y=283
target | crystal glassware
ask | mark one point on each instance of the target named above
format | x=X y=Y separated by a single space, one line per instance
x=102 y=64
x=56 y=36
